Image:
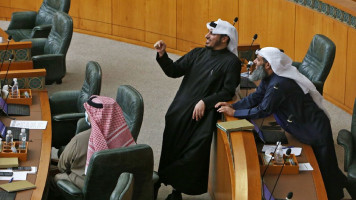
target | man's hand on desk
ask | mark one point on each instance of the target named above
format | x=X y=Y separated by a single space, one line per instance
x=226 y=108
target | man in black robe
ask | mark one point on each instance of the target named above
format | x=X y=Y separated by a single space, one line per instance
x=297 y=107
x=211 y=74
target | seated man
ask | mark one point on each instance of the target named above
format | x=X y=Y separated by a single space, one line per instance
x=297 y=107
x=108 y=131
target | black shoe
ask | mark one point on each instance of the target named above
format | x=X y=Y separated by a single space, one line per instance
x=175 y=195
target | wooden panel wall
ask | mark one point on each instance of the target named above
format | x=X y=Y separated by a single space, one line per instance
x=74 y=12
x=192 y=17
x=280 y=29
x=161 y=22
x=252 y=20
x=335 y=84
x=350 y=90
x=24 y=4
x=5 y=9
x=182 y=25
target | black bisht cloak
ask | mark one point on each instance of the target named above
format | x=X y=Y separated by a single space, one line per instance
x=211 y=76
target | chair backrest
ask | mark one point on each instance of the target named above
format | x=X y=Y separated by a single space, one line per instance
x=124 y=187
x=131 y=103
x=91 y=85
x=48 y=10
x=106 y=166
x=60 y=36
x=317 y=62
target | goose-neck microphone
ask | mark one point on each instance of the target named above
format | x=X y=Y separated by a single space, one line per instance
x=235 y=20
x=280 y=172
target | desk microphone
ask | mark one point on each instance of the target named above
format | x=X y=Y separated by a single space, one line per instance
x=269 y=162
x=235 y=20
x=289 y=120
x=5 y=81
x=288 y=197
x=275 y=149
x=280 y=172
x=250 y=63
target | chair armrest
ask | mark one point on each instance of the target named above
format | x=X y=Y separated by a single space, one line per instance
x=22 y=20
x=41 y=31
x=155 y=177
x=47 y=61
x=37 y=45
x=47 y=57
x=68 y=116
x=82 y=125
x=69 y=190
x=296 y=64
x=124 y=187
x=344 y=138
x=64 y=102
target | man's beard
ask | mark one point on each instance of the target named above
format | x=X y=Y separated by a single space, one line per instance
x=258 y=74
x=216 y=44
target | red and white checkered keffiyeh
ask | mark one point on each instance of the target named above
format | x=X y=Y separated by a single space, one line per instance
x=108 y=126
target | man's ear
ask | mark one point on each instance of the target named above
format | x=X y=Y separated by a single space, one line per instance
x=225 y=39
x=268 y=66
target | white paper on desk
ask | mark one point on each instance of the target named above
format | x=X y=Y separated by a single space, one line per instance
x=270 y=148
x=305 y=167
x=28 y=124
x=33 y=170
x=18 y=176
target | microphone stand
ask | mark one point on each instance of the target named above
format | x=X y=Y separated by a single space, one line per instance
x=7 y=72
x=5 y=80
x=250 y=63
x=3 y=57
x=3 y=111
x=269 y=162
x=280 y=172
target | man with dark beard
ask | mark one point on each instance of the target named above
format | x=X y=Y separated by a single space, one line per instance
x=211 y=74
x=297 y=107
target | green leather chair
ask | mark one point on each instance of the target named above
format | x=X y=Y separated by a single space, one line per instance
x=317 y=62
x=67 y=106
x=124 y=187
x=104 y=169
x=31 y=24
x=347 y=139
x=131 y=103
x=50 y=53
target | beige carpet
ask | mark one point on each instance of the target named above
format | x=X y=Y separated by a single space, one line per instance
x=124 y=63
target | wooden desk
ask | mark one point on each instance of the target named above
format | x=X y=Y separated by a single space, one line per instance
x=235 y=170
x=30 y=78
x=39 y=149
x=305 y=185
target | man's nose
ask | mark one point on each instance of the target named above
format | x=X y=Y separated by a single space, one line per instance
x=207 y=36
